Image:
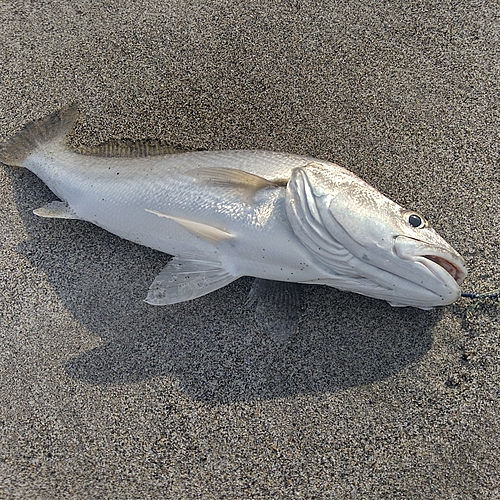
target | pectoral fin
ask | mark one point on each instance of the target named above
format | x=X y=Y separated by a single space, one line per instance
x=277 y=307
x=56 y=210
x=244 y=184
x=187 y=278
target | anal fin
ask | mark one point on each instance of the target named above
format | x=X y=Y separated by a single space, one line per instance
x=56 y=210
x=186 y=278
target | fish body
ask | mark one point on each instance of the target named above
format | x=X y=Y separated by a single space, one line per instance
x=227 y=214
x=158 y=202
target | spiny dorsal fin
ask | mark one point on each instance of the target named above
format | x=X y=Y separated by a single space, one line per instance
x=34 y=134
x=129 y=149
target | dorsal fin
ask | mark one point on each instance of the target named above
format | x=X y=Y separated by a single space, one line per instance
x=34 y=134
x=59 y=124
x=129 y=149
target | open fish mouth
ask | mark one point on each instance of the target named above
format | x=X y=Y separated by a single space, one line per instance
x=453 y=267
x=443 y=263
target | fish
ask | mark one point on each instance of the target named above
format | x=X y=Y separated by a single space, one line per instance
x=225 y=214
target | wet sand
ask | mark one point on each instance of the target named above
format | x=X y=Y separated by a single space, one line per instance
x=104 y=396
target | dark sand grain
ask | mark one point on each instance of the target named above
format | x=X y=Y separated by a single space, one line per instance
x=103 y=396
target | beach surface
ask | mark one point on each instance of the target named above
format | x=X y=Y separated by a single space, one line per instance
x=105 y=396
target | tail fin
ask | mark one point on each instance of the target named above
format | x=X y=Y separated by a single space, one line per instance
x=32 y=135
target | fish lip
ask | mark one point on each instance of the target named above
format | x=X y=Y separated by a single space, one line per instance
x=453 y=267
x=441 y=262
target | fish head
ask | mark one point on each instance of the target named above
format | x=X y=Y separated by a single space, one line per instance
x=370 y=244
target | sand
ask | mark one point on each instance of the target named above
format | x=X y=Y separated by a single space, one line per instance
x=104 y=396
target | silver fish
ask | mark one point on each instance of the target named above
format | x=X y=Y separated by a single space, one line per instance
x=227 y=214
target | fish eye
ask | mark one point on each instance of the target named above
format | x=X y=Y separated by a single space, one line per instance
x=416 y=221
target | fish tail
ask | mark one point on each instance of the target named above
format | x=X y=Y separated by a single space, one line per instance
x=54 y=126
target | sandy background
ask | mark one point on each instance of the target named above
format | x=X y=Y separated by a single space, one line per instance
x=103 y=396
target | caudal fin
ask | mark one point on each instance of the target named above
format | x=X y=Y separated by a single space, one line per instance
x=34 y=134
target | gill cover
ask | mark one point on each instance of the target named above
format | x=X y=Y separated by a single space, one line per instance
x=307 y=222
x=311 y=192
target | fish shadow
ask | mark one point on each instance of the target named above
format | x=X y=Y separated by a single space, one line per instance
x=212 y=348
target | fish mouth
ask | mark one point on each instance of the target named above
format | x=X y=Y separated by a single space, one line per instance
x=444 y=263
x=453 y=267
